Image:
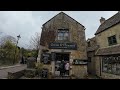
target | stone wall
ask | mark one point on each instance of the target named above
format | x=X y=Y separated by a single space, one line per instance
x=97 y=65
x=109 y=76
x=76 y=30
x=91 y=64
x=76 y=35
x=79 y=70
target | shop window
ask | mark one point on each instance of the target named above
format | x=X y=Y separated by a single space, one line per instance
x=111 y=64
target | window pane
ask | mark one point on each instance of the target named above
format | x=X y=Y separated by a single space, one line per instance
x=60 y=36
x=66 y=36
x=114 y=68
x=112 y=40
x=118 y=69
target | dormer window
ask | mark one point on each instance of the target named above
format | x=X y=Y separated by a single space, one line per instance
x=63 y=34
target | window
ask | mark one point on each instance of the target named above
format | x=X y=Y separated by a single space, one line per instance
x=60 y=36
x=63 y=34
x=112 y=40
x=111 y=64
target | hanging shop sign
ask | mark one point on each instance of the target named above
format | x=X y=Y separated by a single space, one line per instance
x=46 y=58
x=57 y=45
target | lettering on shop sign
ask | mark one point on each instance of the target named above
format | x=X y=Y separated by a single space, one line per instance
x=79 y=62
x=56 y=45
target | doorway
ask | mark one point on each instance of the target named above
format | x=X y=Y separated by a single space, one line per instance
x=58 y=61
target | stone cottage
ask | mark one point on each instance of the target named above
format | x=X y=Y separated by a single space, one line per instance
x=63 y=38
x=107 y=55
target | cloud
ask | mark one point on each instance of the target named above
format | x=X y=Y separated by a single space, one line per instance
x=19 y=22
x=26 y=23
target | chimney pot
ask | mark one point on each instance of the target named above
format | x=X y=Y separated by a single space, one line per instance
x=102 y=20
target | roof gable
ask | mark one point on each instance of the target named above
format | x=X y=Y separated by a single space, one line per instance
x=59 y=14
x=109 y=23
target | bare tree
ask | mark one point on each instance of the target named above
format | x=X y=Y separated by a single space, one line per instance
x=35 y=41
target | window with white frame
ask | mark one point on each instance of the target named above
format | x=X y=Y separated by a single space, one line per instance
x=63 y=34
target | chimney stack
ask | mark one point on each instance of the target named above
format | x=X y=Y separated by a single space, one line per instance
x=102 y=20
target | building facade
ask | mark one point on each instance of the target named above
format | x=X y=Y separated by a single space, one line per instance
x=91 y=49
x=107 y=56
x=63 y=38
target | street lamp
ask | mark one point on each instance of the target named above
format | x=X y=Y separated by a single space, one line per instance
x=18 y=37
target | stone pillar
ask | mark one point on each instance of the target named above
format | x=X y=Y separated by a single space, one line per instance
x=39 y=56
x=53 y=67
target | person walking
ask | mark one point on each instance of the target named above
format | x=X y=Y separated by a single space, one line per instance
x=67 y=67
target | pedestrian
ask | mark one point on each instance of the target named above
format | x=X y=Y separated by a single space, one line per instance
x=62 y=68
x=67 y=67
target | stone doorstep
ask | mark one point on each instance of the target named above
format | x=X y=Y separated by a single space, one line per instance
x=9 y=67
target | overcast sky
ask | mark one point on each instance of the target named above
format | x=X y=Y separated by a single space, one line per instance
x=26 y=23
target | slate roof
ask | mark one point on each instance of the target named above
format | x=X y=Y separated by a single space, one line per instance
x=109 y=23
x=109 y=50
x=89 y=49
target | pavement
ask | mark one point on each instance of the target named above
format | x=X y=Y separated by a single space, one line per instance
x=4 y=70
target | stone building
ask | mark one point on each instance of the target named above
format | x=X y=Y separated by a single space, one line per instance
x=63 y=38
x=107 y=56
x=91 y=49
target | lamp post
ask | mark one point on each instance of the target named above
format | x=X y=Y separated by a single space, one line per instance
x=18 y=37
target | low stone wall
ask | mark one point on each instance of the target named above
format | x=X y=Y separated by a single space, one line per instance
x=79 y=71
x=15 y=75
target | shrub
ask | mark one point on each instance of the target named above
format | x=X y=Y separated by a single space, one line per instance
x=39 y=67
x=29 y=73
